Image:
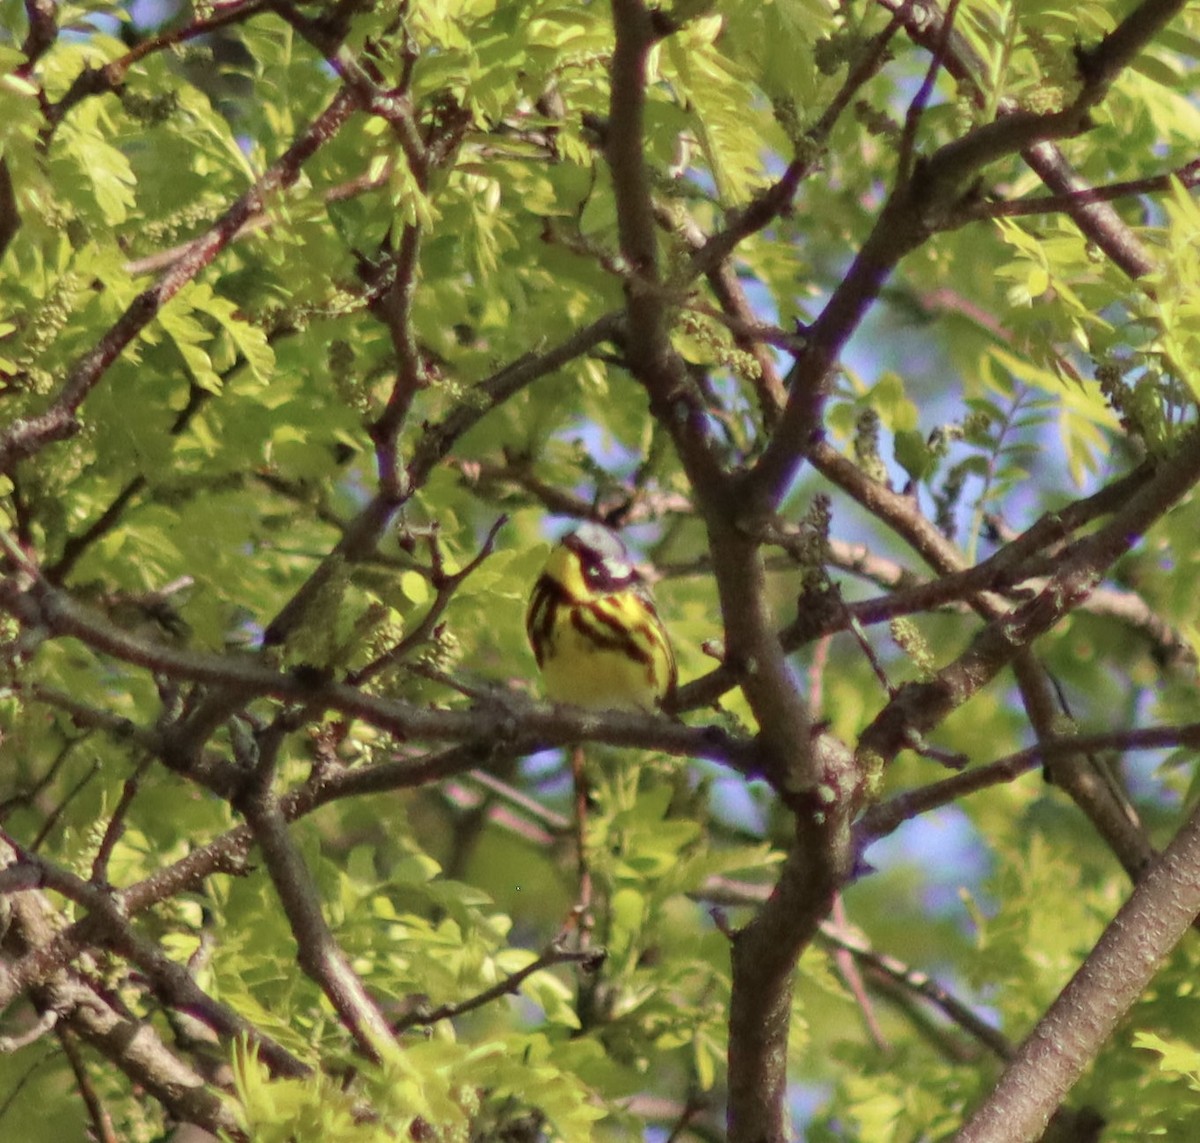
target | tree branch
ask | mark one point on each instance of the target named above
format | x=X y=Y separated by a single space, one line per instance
x=107 y=924
x=26 y=437
x=1163 y=905
x=919 y=707
x=556 y=953
x=916 y=207
x=1098 y=221
x=318 y=952
x=129 y=1044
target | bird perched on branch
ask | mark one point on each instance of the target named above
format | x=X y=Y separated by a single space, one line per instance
x=595 y=630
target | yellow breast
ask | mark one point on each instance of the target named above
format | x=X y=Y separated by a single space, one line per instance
x=577 y=668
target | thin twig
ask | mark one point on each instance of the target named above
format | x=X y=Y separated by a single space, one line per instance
x=555 y=953
x=116 y=823
x=844 y=959
x=35 y=1069
x=883 y=818
x=554 y=822
x=26 y=797
x=1188 y=176
x=52 y=818
x=445 y=587
x=920 y=984
x=101 y=80
x=581 y=919
x=102 y=1126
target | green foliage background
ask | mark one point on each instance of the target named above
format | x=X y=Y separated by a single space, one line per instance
x=1009 y=367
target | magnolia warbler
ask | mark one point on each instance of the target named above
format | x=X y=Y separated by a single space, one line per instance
x=594 y=628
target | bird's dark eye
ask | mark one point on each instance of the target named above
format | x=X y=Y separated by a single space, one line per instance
x=594 y=574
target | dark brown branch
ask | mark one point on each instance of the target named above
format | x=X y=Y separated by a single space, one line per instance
x=510 y=719
x=227 y=854
x=1097 y=221
x=43 y=31
x=1085 y=779
x=431 y=449
x=116 y=824
x=51 y=819
x=777 y=199
x=764 y=957
x=395 y=309
x=852 y=980
x=76 y=545
x=740 y=316
x=10 y=215
x=488 y=395
x=764 y=953
x=1108 y=812
x=606 y=503
x=136 y=1049
x=27 y=796
x=393 y=106
x=1004 y=570
x=906 y=149
x=901 y=983
x=900 y=228
x=750 y=636
x=652 y=360
x=351 y=188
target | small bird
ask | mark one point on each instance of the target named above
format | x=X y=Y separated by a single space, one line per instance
x=594 y=628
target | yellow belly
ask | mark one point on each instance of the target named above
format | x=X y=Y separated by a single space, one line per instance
x=575 y=670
